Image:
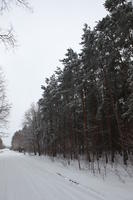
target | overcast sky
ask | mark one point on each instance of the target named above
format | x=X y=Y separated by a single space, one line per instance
x=43 y=37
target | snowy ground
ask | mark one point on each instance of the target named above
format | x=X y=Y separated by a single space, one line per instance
x=33 y=178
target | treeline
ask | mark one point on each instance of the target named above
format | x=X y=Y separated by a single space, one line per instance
x=86 y=107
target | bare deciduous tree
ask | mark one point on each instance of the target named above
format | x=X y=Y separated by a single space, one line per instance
x=4 y=105
x=6 y=4
x=7 y=36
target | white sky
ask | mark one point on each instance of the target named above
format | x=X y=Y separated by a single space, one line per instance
x=43 y=37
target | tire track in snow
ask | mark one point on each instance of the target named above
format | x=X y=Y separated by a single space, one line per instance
x=92 y=191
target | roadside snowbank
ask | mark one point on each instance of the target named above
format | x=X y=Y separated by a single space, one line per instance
x=114 y=183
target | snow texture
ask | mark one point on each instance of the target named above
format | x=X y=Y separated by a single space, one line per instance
x=24 y=177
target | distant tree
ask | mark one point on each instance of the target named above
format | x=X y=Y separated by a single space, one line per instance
x=1 y=144
x=17 y=141
x=32 y=129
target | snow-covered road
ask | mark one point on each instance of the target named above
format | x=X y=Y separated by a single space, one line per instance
x=32 y=178
x=22 y=178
